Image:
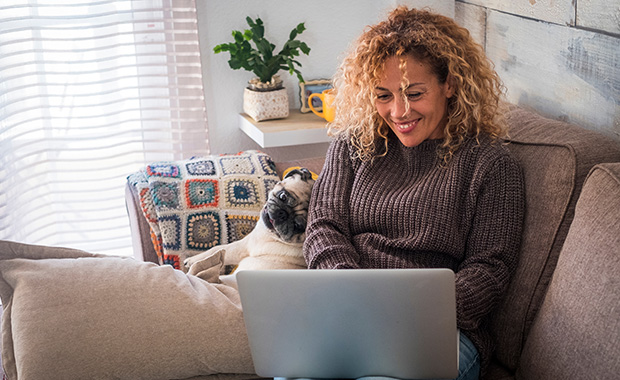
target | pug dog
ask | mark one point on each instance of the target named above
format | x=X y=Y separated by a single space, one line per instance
x=277 y=239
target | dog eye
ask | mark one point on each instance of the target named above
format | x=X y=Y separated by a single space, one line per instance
x=283 y=196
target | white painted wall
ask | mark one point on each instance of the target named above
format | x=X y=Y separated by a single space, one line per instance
x=331 y=26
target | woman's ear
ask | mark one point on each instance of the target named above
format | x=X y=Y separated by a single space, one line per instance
x=449 y=86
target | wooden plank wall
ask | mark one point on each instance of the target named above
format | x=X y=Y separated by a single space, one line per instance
x=560 y=58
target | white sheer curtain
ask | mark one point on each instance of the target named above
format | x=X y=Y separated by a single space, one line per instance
x=90 y=91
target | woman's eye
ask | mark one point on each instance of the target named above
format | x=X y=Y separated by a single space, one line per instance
x=414 y=95
x=383 y=97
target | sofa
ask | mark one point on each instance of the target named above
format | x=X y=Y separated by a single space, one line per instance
x=559 y=319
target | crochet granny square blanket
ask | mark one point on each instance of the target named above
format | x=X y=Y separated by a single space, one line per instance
x=196 y=204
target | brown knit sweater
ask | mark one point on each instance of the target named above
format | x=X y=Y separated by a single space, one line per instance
x=405 y=210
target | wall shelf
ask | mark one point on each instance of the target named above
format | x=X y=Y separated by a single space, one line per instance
x=297 y=129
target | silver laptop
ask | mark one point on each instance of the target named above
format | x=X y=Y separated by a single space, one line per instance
x=351 y=323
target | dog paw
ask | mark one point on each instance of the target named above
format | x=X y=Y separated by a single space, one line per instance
x=189 y=262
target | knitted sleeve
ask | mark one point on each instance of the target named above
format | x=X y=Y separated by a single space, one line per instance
x=328 y=238
x=493 y=241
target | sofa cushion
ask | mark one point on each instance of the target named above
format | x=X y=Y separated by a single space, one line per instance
x=72 y=315
x=193 y=205
x=140 y=230
x=556 y=158
x=576 y=334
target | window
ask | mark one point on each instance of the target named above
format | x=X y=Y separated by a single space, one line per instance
x=89 y=93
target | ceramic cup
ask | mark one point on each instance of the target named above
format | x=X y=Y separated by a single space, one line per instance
x=327 y=98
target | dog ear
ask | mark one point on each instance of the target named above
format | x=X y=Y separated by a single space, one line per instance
x=303 y=172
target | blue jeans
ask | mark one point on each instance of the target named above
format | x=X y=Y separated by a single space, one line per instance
x=469 y=363
x=469 y=360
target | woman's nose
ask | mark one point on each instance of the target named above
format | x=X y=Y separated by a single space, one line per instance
x=399 y=107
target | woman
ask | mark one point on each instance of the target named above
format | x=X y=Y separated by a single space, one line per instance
x=417 y=175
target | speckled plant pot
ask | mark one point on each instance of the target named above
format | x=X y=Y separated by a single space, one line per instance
x=266 y=105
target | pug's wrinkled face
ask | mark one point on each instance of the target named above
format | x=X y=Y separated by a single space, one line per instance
x=286 y=211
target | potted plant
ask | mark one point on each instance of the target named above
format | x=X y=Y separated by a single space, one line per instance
x=265 y=97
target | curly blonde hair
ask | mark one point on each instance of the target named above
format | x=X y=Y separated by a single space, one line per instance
x=451 y=53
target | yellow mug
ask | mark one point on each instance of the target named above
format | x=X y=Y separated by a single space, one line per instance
x=327 y=98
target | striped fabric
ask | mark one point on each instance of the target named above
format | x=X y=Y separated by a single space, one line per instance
x=90 y=91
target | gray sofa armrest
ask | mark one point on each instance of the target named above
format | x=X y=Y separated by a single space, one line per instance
x=143 y=249
x=576 y=332
x=556 y=158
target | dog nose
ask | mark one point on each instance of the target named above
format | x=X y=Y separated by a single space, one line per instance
x=280 y=215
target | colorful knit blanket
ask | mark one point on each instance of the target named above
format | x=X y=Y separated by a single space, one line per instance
x=196 y=204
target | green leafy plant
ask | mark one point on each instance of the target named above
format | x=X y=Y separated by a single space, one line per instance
x=261 y=59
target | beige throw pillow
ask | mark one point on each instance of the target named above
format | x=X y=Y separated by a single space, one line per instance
x=114 y=318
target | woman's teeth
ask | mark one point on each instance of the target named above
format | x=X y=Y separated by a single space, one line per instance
x=405 y=126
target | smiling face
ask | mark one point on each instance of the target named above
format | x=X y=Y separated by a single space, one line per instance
x=414 y=107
